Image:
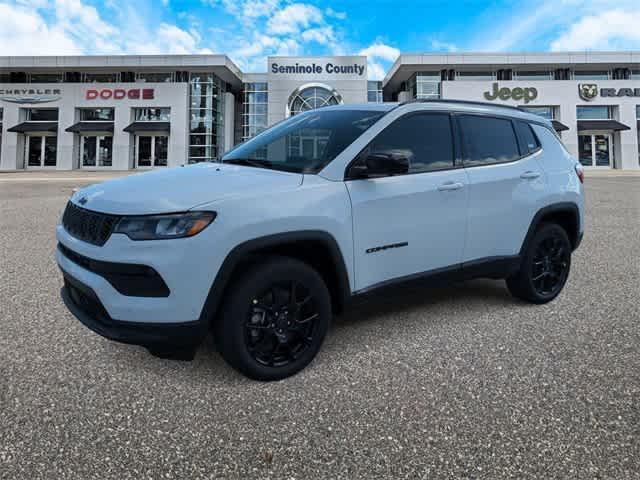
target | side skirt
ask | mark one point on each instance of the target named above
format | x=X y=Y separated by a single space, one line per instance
x=491 y=267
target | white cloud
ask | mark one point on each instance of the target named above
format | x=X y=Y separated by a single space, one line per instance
x=439 y=46
x=379 y=56
x=25 y=32
x=293 y=18
x=321 y=35
x=380 y=50
x=332 y=13
x=613 y=29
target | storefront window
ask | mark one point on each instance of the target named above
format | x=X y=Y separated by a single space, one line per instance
x=42 y=114
x=46 y=77
x=475 y=75
x=155 y=77
x=424 y=85
x=96 y=114
x=374 y=92
x=152 y=114
x=545 y=112
x=101 y=77
x=594 y=112
x=591 y=75
x=534 y=75
x=206 y=113
x=254 y=109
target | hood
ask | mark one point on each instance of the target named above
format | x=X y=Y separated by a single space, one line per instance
x=180 y=189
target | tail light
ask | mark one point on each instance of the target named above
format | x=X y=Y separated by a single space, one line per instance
x=580 y=172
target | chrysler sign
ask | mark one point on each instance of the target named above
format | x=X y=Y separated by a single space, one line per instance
x=30 y=95
x=120 y=94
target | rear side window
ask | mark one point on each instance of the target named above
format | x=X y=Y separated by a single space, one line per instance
x=487 y=140
x=526 y=138
x=424 y=138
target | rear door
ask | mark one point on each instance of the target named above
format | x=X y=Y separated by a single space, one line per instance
x=413 y=223
x=506 y=184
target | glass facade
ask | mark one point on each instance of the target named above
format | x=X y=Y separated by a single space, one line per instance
x=546 y=112
x=533 y=75
x=425 y=85
x=97 y=114
x=594 y=112
x=254 y=109
x=374 y=92
x=157 y=77
x=206 y=117
x=475 y=75
x=101 y=77
x=591 y=75
x=152 y=114
x=42 y=114
x=311 y=98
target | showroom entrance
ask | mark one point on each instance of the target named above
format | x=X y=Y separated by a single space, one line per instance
x=96 y=151
x=595 y=149
x=151 y=150
x=41 y=151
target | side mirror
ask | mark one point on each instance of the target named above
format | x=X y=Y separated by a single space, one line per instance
x=381 y=164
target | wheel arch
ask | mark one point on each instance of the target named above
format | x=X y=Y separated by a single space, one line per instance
x=565 y=214
x=314 y=247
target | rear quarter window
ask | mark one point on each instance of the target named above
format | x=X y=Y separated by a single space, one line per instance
x=487 y=140
x=526 y=138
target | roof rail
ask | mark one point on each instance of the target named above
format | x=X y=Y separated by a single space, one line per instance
x=462 y=102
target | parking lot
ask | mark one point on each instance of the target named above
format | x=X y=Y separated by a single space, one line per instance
x=459 y=382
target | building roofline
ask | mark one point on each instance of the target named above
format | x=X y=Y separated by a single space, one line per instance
x=510 y=58
x=189 y=62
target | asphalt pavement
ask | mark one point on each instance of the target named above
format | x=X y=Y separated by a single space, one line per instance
x=457 y=382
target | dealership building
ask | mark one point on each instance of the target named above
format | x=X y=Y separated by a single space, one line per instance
x=140 y=112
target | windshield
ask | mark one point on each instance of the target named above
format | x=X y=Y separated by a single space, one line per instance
x=305 y=143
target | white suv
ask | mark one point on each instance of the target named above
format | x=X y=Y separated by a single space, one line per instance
x=264 y=247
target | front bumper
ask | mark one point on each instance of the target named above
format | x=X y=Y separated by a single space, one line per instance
x=160 y=338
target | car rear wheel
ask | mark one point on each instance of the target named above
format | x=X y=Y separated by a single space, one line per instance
x=545 y=266
x=274 y=319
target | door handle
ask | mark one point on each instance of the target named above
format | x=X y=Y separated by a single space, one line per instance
x=448 y=186
x=530 y=175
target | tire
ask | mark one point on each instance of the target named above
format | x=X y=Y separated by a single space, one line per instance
x=545 y=266
x=262 y=331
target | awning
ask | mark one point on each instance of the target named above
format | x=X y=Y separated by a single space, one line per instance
x=25 y=127
x=91 y=127
x=613 y=125
x=148 y=127
x=558 y=126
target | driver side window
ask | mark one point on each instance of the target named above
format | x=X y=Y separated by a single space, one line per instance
x=425 y=139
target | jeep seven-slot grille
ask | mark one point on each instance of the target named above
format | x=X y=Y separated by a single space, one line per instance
x=88 y=226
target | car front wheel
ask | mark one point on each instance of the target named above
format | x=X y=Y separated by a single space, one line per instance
x=274 y=319
x=545 y=266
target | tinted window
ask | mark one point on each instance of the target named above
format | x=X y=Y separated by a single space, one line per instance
x=304 y=143
x=526 y=138
x=425 y=139
x=488 y=140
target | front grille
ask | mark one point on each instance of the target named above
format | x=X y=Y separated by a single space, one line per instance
x=88 y=226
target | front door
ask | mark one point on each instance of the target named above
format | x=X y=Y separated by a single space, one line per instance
x=151 y=151
x=96 y=151
x=595 y=150
x=412 y=223
x=41 y=151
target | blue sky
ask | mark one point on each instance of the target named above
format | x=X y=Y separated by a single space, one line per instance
x=250 y=30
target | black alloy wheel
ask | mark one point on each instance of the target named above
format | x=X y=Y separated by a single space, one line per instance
x=281 y=324
x=550 y=266
x=274 y=319
x=544 y=267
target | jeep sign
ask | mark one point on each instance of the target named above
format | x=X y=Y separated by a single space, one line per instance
x=517 y=93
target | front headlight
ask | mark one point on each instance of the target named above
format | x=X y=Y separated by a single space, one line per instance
x=161 y=227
